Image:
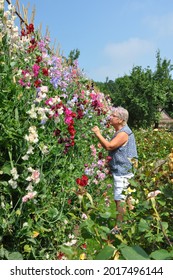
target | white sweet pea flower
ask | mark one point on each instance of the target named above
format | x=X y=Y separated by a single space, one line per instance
x=33 y=136
x=14 y=173
x=30 y=150
x=13 y=184
x=60 y=111
x=25 y=157
x=44 y=149
x=29 y=187
x=153 y=194
x=25 y=224
x=30 y=169
x=32 y=113
x=44 y=89
x=29 y=179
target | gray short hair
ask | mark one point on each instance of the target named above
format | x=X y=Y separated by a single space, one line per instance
x=122 y=113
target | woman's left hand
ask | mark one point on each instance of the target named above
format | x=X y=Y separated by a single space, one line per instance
x=96 y=129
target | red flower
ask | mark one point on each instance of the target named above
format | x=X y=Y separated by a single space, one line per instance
x=80 y=114
x=84 y=246
x=71 y=130
x=83 y=181
x=38 y=59
x=60 y=255
x=30 y=28
x=72 y=143
x=32 y=41
x=23 y=32
x=37 y=83
x=45 y=72
x=73 y=115
x=108 y=158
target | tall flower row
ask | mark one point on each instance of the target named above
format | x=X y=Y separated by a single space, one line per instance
x=52 y=158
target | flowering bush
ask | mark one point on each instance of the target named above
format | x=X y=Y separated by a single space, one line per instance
x=55 y=183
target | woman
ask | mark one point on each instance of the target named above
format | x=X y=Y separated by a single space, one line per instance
x=122 y=149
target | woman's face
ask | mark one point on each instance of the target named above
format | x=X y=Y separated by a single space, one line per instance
x=114 y=118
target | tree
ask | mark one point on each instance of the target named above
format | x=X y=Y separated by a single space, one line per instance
x=144 y=93
x=162 y=76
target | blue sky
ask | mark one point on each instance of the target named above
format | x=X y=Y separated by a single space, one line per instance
x=112 y=35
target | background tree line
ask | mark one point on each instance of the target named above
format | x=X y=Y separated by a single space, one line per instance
x=144 y=92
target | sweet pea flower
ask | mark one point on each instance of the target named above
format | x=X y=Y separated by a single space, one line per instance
x=29 y=196
x=35 y=176
x=14 y=173
x=12 y=183
x=36 y=69
x=153 y=194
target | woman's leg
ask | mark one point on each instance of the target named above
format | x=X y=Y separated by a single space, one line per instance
x=121 y=209
x=120 y=184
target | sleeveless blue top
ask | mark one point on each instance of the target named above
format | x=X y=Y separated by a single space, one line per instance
x=120 y=163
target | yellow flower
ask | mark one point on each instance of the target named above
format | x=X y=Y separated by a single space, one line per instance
x=18 y=212
x=82 y=256
x=129 y=190
x=35 y=234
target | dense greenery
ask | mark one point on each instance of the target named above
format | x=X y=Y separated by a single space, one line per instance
x=55 y=187
x=144 y=92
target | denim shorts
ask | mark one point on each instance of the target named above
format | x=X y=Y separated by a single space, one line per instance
x=120 y=184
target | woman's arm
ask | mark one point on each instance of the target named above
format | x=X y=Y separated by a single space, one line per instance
x=116 y=142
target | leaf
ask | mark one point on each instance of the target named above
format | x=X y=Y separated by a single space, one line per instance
x=52 y=213
x=90 y=198
x=66 y=250
x=15 y=256
x=105 y=215
x=87 y=223
x=164 y=225
x=160 y=254
x=6 y=169
x=106 y=253
x=27 y=249
x=133 y=253
x=143 y=226
x=4 y=183
x=105 y=229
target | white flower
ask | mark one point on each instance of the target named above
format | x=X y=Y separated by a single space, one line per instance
x=33 y=136
x=32 y=113
x=30 y=150
x=44 y=149
x=29 y=187
x=25 y=224
x=25 y=157
x=70 y=243
x=60 y=111
x=153 y=194
x=14 y=173
x=30 y=169
x=29 y=178
x=13 y=184
x=44 y=89
x=84 y=216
